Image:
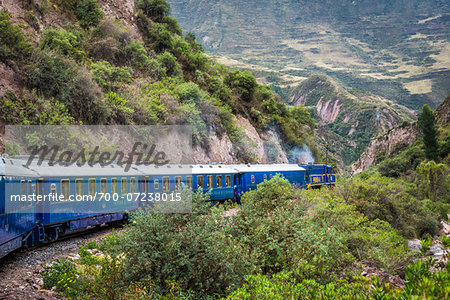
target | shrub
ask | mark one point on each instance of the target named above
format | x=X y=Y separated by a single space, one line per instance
x=169 y=62
x=62 y=274
x=154 y=9
x=189 y=93
x=243 y=82
x=394 y=167
x=13 y=43
x=63 y=41
x=60 y=78
x=121 y=113
x=284 y=286
x=137 y=55
x=109 y=77
x=190 y=249
x=433 y=181
x=88 y=13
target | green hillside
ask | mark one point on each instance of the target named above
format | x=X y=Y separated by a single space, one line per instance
x=70 y=62
x=399 y=50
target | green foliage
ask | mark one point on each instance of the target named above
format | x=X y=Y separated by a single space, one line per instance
x=110 y=77
x=169 y=62
x=65 y=42
x=88 y=13
x=428 y=128
x=62 y=274
x=190 y=249
x=137 y=55
x=189 y=93
x=191 y=115
x=420 y=282
x=393 y=201
x=121 y=112
x=433 y=181
x=61 y=78
x=243 y=82
x=285 y=286
x=32 y=109
x=157 y=10
x=13 y=42
x=394 y=167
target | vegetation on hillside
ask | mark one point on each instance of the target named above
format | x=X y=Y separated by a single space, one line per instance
x=281 y=242
x=99 y=71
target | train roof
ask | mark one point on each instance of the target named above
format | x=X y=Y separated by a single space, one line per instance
x=267 y=168
x=14 y=167
x=46 y=170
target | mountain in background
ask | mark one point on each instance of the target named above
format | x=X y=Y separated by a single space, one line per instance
x=379 y=61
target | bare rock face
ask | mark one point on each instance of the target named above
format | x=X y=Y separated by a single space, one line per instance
x=328 y=111
x=266 y=146
x=406 y=135
x=118 y=9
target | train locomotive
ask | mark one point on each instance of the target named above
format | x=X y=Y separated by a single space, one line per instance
x=27 y=223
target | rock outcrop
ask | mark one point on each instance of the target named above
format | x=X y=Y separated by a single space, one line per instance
x=401 y=135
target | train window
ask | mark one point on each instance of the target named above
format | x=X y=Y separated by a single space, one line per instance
x=103 y=185
x=123 y=187
x=178 y=183
x=132 y=185
x=166 y=184
x=91 y=186
x=265 y=176
x=253 y=178
x=65 y=189
x=189 y=181
x=219 y=181
x=79 y=187
x=156 y=184
x=53 y=189
x=228 y=180
x=209 y=182
x=30 y=191
x=113 y=186
x=144 y=182
x=23 y=193
x=199 y=181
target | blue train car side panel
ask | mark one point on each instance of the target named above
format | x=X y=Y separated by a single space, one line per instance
x=17 y=218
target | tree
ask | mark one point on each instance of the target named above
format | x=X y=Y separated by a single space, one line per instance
x=429 y=132
x=154 y=9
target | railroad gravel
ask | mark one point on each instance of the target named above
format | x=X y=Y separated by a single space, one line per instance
x=20 y=272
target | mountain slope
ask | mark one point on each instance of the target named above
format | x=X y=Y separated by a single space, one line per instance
x=354 y=117
x=125 y=62
x=396 y=49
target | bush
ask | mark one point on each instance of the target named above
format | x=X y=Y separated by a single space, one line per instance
x=394 y=167
x=88 y=13
x=60 y=78
x=62 y=274
x=169 y=63
x=110 y=77
x=189 y=249
x=285 y=286
x=157 y=10
x=13 y=43
x=63 y=41
x=189 y=93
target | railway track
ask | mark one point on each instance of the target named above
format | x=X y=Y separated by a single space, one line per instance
x=20 y=272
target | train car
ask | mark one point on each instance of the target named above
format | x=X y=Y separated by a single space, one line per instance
x=249 y=176
x=81 y=197
x=319 y=175
x=219 y=181
x=17 y=216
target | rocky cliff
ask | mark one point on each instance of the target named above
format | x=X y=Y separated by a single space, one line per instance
x=352 y=117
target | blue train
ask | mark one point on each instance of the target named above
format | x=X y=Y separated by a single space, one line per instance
x=27 y=223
